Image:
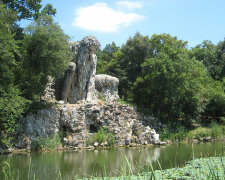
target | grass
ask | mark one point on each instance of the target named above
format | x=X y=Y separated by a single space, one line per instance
x=102 y=136
x=215 y=131
x=50 y=143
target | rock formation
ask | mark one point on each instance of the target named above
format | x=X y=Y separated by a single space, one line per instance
x=79 y=80
x=79 y=121
x=49 y=93
x=68 y=80
x=107 y=86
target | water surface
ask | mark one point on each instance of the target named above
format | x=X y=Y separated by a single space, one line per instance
x=73 y=165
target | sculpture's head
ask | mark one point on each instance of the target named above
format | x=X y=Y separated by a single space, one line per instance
x=90 y=42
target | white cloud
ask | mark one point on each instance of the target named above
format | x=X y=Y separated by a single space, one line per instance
x=100 y=17
x=129 y=5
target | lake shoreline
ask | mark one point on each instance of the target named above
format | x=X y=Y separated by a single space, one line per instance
x=92 y=148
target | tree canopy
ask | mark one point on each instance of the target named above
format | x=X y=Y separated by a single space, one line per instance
x=162 y=76
x=27 y=58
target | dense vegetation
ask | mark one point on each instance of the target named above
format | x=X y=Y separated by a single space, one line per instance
x=163 y=77
x=27 y=58
x=158 y=74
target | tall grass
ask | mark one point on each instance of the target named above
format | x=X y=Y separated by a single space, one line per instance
x=50 y=143
x=102 y=136
x=215 y=131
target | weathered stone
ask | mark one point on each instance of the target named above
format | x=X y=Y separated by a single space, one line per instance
x=162 y=143
x=127 y=141
x=81 y=121
x=61 y=102
x=207 y=139
x=84 y=83
x=107 y=86
x=68 y=79
x=155 y=138
x=49 y=92
x=78 y=83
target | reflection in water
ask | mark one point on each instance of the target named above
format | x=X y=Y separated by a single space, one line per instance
x=101 y=162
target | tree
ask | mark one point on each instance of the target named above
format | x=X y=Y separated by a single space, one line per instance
x=171 y=84
x=126 y=63
x=12 y=104
x=29 y=9
x=104 y=57
x=46 y=52
x=134 y=53
x=220 y=51
x=26 y=9
x=48 y=10
x=206 y=53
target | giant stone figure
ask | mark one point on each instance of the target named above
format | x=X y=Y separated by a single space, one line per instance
x=79 y=79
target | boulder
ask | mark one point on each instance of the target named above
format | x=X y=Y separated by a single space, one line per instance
x=107 y=86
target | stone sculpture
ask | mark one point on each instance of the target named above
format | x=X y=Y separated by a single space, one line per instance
x=81 y=120
x=108 y=86
x=69 y=74
x=79 y=79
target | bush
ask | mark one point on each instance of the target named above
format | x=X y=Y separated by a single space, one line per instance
x=179 y=135
x=103 y=135
x=217 y=131
x=50 y=143
x=215 y=108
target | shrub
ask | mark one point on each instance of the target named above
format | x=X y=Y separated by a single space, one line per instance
x=217 y=131
x=103 y=135
x=52 y=142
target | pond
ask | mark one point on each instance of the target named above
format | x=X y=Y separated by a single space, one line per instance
x=73 y=165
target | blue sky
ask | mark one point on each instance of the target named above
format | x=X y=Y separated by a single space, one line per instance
x=190 y=20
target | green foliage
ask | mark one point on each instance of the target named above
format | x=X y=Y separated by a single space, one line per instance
x=171 y=84
x=179 y=134
x=50 y=143
x=48 y=10
x=100 y=96
x=212 y=56
x=12 y=104
x=161 y=76
x=206 y=53
x=103 y=135
x=217 y=130
x=199 y=133
x=46 y=54
x=27 y=9
x=104 y=57
x=215 y=108
x=121 y=101
x=220 y=51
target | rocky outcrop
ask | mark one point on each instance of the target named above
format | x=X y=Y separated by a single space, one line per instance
x=79 y=122
x=107 y=86
x=78 y=82
x=79 y=114
x=49 y=93
x=84 y=82
x=68 y=80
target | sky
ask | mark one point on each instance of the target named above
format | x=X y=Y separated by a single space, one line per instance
x=117 y=20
